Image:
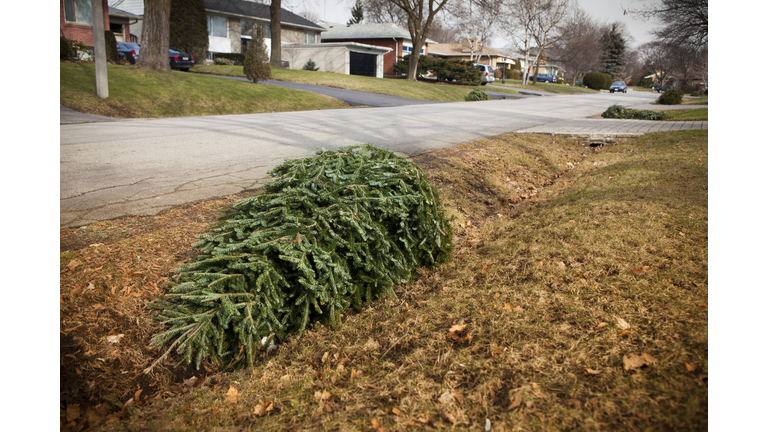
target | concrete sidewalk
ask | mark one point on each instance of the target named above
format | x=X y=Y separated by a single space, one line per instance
x=601 y=131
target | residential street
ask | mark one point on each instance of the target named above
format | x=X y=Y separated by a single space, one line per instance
x=143 y=166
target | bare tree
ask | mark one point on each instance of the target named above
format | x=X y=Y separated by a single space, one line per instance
x=686 y=22
x=475 y=20
x=578 y=46
x=420 y=15
x=309 y=15
x=444 y=33
x=154 y=35
x=658 y=56
x=384 y=11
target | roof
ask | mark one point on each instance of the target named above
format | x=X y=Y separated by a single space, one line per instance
x=251 y=9
x=338 y=31
x=347 y=45
x=454 y=49
x=121 y=13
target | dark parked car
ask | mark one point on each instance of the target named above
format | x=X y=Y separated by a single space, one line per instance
x=654 y=86
x=618 y=86
x=128 y=51
x=544 y=78
x=180 y=60
x=662 y=89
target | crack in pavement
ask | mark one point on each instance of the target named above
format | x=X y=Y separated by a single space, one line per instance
x=105 y=188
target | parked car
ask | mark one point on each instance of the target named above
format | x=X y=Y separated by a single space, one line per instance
x=128 y=51
x=544 y=78
x=664 y=88
x=654 y=86
x=618 y=86
x=486 y=73
x=180 y=60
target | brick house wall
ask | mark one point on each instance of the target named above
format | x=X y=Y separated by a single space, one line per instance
x=81 y=32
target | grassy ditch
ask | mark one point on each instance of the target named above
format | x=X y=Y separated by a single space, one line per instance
x=576 y=298
x=138 y=93
x=692 y=114
x=419 y=90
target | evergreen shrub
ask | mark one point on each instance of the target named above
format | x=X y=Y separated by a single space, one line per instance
x=256 y=67
x=620 y=112
x=477 y=95
x=310 y=66
x=330 y=231
x=597 y=80
x=673 y=96
x=461 y=71
x=66 y=48
x=223 y=61
x=695 y=94
x=110 y=43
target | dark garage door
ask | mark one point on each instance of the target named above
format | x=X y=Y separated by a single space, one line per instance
x=362 y=64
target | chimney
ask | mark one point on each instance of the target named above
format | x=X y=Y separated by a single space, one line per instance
x=465 y=47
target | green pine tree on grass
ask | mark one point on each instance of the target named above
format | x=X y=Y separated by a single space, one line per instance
x=256 y=67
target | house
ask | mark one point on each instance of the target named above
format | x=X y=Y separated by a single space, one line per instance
x=385 y=35
x=465 y=50
x=349 y=58
x=230 y=23
x=76 y=20
x=121 y=22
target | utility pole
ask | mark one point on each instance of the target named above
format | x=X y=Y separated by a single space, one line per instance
x=99 y=49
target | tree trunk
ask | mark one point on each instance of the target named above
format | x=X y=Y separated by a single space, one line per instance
x=413 y=64
x=99 y=49
x=154 y=35
x=275 y=55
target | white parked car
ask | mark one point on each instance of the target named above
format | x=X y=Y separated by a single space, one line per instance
x=486 y=73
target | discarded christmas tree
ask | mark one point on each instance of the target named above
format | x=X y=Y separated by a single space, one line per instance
x=334 y=230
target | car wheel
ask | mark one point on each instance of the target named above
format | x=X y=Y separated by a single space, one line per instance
x=611 y=91
x=483 y=83
x=184 y=69
x=625 y=91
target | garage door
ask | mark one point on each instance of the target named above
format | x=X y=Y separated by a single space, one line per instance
x=362 y=64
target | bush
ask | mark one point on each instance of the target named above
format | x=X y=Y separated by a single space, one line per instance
x=335 y=230
x=706 y=92
x=256 y=67
x=619 y=112
x=695 y=94
x=66 y=48
x=672 y=96
x=687 y=89
x=237 y=58
x=597 y=80
x=477 y=95
x=463 y=72
x=310 y=66
x=111 y=47
x=224 y=61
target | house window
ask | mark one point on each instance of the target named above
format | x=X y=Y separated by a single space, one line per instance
x=217 y=26
x=309 y=37
x=116 y=28
x=78 y=11
x=247 y=26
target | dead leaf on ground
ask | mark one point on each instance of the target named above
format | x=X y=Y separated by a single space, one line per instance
x=449 y=416
x=397 y=412
x=518 y=309
x=624 y=333
x=507 y=306
x=233 y=396
x=622 y=324
x=515 y=402
x=73 y=412
x=376 y=425
x=690 y=367
x=74 y=264
x=321 y=396
x=325 y=357
x=115 y=338
x=457 y=328
x=591 y=372
x=637 y=361
x=601 y=326
x=449 y=398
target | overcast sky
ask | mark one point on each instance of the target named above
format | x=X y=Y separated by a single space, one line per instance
x=602 y=10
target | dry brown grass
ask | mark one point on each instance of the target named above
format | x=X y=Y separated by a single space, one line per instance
x=543 y=280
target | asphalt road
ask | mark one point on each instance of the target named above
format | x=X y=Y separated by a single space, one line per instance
x=143 y=166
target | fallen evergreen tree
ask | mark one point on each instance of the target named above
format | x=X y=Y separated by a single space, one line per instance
x=330 y=231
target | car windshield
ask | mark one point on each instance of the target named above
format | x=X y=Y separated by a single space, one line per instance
x=618 y=83
x=132 y=46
